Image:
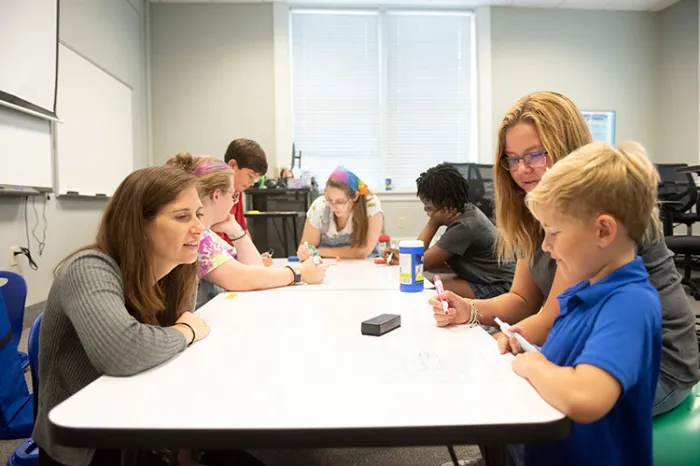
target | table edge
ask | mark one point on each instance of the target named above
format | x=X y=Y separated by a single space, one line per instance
x=310 y=438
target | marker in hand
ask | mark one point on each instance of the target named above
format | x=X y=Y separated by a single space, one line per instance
x=505 y=328
x=440 y=289
x=391 y=254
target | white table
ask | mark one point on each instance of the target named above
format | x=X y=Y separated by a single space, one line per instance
x=351 y=274
x=293 y=370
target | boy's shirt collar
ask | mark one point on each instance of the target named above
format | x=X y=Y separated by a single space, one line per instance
x=633 y=271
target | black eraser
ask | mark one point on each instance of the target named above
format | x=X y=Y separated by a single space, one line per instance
x=381 y=324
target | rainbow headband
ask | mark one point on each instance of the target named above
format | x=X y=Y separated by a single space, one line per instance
x=350 y=180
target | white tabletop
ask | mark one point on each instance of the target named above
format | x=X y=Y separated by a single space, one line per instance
x=292 y=370
x=348 y=274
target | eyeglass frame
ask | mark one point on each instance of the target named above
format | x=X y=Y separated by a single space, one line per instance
x=506 y=158
x=336 y=203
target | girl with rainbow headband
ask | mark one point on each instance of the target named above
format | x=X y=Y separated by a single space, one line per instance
x=345 y=222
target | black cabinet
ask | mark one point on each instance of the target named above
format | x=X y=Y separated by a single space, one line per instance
x=268 y=232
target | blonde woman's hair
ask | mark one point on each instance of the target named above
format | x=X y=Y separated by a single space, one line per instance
x=601 y=179
x=562 y=130
x=212 y=174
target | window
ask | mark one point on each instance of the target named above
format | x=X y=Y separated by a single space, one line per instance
x=387 y=94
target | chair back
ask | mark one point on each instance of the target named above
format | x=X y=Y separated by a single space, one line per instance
x=14 y=290
x=33 y=348
x=676 y=186
x=481 y=188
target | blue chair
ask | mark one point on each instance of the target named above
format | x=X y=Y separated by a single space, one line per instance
x=27 y=453
x=15 y=398
x=15 y=293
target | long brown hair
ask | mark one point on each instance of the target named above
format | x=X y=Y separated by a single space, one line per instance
x=360 y=220
x=562 y=130
x=122 y=236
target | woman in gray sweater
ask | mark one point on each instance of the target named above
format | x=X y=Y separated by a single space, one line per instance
x=124 y=304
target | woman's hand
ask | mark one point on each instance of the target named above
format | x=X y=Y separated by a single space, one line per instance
x=303 y=253
x=457 y=312
x=229 y=226
x=198 y=326
x=312 y=272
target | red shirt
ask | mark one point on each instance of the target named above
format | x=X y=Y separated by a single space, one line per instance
x=239 y=215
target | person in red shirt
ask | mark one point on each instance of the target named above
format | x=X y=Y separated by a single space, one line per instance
x=249 y=162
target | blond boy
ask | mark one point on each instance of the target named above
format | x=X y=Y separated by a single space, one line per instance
x=600 y=363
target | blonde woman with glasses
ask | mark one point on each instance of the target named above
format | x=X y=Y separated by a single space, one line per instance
x=538 y=131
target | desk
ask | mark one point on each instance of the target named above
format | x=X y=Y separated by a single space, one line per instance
x=349 y=274
x=301 y=375
x=690 y=169
x=284 y=216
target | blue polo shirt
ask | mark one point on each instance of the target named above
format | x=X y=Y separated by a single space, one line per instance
x=615 y=325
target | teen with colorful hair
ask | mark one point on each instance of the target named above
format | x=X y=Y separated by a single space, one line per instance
x=345 y=222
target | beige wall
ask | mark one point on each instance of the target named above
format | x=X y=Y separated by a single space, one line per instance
x=602 y=60
x=677 y=116
x=213 y=77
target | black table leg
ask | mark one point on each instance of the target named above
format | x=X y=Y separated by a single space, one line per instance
x=495 y=455
x=294 y=231
x=280 y=235
x=130 y=457
x=284 y=236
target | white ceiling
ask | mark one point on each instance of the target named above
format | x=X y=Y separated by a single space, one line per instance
x=633 y=5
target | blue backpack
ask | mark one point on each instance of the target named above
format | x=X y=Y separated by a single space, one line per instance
x=16 y=420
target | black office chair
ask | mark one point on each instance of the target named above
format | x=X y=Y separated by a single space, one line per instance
x=481 y=191
x=681 y=194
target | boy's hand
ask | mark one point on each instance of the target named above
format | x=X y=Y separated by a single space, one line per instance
x=394 y=255
x=445 y=217
x=509 y=344
x=524 y=362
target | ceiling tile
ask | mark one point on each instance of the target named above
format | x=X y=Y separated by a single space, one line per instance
x=586 y=4
x=631 y=5
x=537 y=3
x=658 y=5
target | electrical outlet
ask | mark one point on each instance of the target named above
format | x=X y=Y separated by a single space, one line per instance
x=13 y=258
x=401 y=222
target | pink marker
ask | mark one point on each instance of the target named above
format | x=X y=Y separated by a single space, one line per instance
x=440 y=290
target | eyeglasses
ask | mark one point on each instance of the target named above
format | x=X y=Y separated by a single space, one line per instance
x=534 y=160
x=336 y=203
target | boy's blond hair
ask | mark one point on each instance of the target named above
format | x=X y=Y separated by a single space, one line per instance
x=601 y=179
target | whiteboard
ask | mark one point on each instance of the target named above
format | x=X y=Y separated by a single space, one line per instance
x=95 y=142
x=28 y=40
x=25 y=150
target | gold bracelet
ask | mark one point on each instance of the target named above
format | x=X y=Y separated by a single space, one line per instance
x=473 y=313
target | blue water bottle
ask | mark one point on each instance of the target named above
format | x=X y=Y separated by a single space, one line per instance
x=411 y=266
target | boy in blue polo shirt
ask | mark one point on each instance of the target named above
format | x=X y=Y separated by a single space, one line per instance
x=600 y=363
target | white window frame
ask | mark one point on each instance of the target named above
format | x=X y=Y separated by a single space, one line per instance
x=383 y=11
